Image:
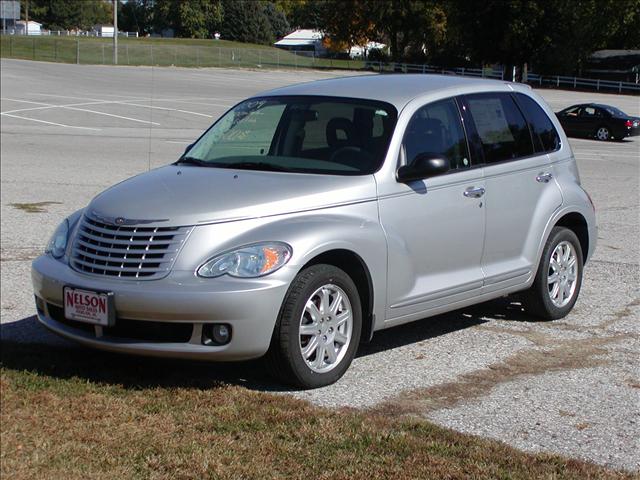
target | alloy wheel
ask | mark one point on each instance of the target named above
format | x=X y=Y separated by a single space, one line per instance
x=326 y=326
x=602 y=133
x=563 y=273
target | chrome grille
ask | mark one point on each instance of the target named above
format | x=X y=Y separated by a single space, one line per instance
x=126 y=251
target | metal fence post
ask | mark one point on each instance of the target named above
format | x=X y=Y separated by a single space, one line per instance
x=620 y=88
x=219 y=57
x=557 y=80
x=278 y=58
x=126 y=50
x=598 y=84
x=103 y=53
x=77 y=51
x=175 y=56
x=197 y=56
x=574 y=82
x=11 y=46
x=55 y=50
x=34 y=48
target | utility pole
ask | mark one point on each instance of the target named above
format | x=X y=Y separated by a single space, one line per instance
x=26 y=23
x=115 y=32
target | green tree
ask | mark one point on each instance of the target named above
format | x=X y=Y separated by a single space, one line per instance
x=246 y=21
x=413 y=29
x=136 y=16
x=277 y=19
x=302 y=13
x=193 y=19
x=70 y=14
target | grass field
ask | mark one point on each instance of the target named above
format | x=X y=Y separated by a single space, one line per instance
x=83 y=414
x=162 y=52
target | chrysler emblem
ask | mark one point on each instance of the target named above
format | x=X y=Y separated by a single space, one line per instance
x=119 y=221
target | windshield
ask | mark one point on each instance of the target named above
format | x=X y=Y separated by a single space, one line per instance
x=327 y=135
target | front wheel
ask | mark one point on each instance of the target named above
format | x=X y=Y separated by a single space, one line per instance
x=318 y=329
x=555 y=289
x=603 y=134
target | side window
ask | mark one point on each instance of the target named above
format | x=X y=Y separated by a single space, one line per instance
x=437 y=128
x=545 y=135
x=572 y=112
x=502 y=129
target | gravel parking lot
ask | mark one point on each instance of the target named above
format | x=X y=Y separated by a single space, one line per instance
x=570 y=386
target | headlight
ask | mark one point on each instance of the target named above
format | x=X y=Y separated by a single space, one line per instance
x=58 y=242
x=248 y=262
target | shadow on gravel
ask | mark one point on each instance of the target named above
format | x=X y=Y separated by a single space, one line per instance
x=57 y=357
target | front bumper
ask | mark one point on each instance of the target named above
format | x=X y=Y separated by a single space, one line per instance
x=181 y=302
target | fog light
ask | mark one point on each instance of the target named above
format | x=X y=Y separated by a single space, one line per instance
x=216 y=334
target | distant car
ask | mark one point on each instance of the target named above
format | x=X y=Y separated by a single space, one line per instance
x=603 y=122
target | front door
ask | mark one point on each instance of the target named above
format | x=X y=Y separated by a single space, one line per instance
x=435 y=227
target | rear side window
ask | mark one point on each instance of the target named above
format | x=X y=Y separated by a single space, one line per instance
x=545 y=136
x=437 y=129
x=502 y=129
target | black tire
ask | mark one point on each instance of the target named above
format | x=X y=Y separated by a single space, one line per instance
x=284 y=359
x=537 y=300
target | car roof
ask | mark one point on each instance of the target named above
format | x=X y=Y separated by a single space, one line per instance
x=396 y=89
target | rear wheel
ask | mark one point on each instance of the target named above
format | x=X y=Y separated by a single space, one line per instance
x=557 y=284
x=318 y=328
x=603 y=133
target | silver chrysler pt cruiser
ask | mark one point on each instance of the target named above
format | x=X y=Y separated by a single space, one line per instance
x=308 y=217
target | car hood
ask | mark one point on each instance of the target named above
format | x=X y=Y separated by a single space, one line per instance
x=189 y=195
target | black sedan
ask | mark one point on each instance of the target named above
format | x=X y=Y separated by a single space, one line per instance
x=603 y=122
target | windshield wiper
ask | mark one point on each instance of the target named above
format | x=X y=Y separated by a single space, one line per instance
x=253 y=166
x=193 y=161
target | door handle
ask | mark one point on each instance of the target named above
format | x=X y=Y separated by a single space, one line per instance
x=473 y=192
x=544 y=177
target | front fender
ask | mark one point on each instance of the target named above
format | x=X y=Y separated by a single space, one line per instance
x=354 y=228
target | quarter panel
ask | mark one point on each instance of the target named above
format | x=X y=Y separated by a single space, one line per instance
x=518 y=210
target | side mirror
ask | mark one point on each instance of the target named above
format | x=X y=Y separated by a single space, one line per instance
x=424 y=165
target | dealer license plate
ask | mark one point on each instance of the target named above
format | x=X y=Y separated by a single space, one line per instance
x=88 y=306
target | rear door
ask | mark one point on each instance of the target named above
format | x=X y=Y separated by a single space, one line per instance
x=521 y=193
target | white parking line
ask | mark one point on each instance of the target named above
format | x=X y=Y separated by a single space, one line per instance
x=96 y=101
x=111 y=115
x=165 y=108
x=156 y=99
x=50 y=123
x=70 y=107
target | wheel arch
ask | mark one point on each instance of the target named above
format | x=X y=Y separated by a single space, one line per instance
x=575 y=222
x=354 y=266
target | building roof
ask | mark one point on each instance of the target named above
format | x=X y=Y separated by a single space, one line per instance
x=301 y=37
x=397 y=89
x=602 y=54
